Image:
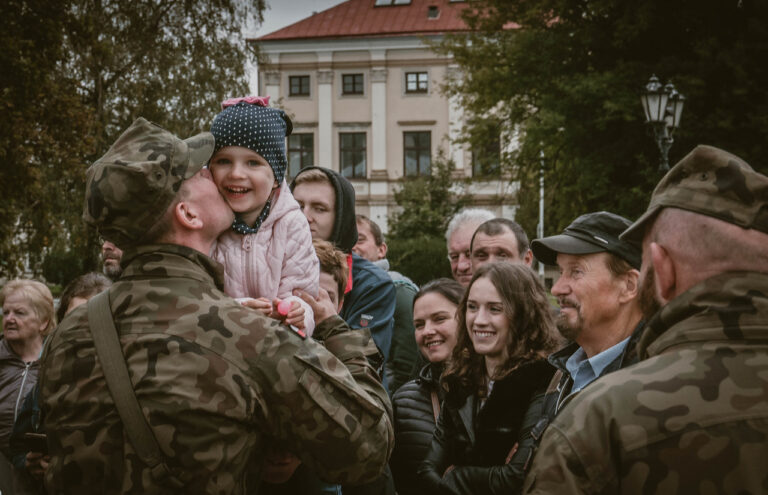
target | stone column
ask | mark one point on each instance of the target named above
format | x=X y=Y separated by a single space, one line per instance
x=379 y=121
x=272 y=85
x=325 y=119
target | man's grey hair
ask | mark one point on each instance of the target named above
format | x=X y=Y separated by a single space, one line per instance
x=467 y=215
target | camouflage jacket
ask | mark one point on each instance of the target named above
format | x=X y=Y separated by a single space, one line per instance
x=691 y=417
x=217 y=382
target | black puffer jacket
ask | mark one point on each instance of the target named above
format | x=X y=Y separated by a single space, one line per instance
x=414 y=425
x=477 y=440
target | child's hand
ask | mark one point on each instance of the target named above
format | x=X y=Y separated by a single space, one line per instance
x=261 y=304
x=322 y=306
x=294 y=316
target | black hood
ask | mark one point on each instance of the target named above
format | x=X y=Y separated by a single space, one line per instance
x=344 y=234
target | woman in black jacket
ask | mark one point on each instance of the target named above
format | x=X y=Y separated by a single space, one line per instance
x=416 y=404
x=495 y=383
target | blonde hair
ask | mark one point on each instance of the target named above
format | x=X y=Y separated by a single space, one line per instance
x=312 y=175
x=37 y=294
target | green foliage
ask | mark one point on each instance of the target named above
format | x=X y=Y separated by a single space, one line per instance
x=416 y=238
x=427 y=203
x=567 y=81
x=61 y=267
x=75 y=74
x=421 y=258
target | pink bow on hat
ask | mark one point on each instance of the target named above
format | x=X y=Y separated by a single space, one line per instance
x=262 y=101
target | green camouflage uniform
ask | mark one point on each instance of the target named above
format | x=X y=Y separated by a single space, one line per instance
x=701 y=394
x=216 y=381
x=692 y=416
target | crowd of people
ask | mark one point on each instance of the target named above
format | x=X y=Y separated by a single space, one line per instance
x=248 y=336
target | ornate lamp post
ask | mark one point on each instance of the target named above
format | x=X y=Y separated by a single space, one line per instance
x=663 y=106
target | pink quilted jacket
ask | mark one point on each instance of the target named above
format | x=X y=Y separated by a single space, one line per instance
x=273 y=261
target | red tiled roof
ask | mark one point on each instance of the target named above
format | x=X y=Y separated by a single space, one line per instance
x=360 y=18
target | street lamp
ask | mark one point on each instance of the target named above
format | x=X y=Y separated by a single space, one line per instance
x=663 y=106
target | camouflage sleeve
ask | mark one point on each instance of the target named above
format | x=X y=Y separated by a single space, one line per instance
x=557 y=467
x=329 y=407
x=578 y=451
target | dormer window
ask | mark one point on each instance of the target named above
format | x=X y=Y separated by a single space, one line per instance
x=433 y=12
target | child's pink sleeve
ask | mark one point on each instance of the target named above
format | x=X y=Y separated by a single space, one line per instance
x=301 y=268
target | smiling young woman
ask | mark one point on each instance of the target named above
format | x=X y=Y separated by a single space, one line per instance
x=495 y=382
x=417 y=403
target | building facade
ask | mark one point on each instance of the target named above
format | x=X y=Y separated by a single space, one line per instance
x=362 y=87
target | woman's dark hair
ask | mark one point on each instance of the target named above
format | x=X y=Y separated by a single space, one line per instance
x=446 y=287
x=532 y=334
x=85 y=286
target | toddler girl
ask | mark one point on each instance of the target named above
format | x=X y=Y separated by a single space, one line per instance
x=268 y=251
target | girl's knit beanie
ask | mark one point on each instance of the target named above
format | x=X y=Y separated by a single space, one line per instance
x=250 y=123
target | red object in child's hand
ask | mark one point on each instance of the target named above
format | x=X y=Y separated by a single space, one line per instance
x=284 y=307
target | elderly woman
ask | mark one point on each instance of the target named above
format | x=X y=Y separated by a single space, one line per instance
x=496 y=380
x=28 y=417
x=27 y=317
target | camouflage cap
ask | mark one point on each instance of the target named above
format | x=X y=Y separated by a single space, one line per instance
x=129 y=188
x=711 y=182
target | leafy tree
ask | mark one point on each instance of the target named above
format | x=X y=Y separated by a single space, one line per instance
x=76 y=73
x=416 y=238
x=566 y=77
x=44 y=134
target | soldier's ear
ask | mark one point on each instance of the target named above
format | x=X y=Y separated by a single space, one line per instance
x=187 y=216
x=665 y=275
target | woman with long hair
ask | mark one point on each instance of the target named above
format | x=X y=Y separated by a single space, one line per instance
x=494 y=382
x=416 y=404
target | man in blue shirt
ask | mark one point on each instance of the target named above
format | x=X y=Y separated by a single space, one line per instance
x=600 y=312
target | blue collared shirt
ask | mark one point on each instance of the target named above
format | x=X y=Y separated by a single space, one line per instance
x=584 y=371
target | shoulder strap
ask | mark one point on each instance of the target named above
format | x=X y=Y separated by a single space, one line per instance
x=104 y=333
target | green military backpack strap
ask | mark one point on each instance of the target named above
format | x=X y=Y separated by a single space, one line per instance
x=135 y=425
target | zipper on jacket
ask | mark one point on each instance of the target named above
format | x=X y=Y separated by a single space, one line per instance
x=21 y=390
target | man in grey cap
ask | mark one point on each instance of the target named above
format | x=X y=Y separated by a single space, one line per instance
x=597 y=292
x=692 y=415
x=216 y=382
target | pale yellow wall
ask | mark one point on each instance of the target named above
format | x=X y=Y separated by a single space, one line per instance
x=404 y=112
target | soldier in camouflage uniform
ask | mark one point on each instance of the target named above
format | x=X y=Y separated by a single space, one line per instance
x=216 y=381
x=692 y=416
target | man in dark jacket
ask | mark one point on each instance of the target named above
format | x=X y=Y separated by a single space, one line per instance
x=599 y=305
x=328 y=201
x=692 y=415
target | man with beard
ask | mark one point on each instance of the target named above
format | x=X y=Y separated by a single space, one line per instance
x=599 y=307
x=110 y=257
x=692 y=415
